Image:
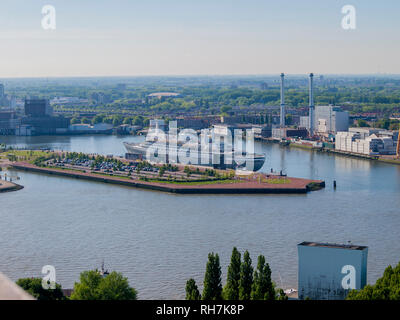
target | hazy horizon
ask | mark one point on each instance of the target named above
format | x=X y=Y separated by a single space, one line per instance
x=125 y=38
x=210 y=75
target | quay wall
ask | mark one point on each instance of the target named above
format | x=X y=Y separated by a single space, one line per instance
x=300 y=187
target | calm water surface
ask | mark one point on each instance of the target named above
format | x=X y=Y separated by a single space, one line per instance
x=160 y=240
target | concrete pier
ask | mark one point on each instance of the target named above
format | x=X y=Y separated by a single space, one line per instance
x=294 y=186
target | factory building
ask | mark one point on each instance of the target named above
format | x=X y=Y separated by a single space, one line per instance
x=6 y=101
x=38 y=108
x=329 y=271
x=304 y=122
x=8 y=122
x=39 y=119
x=284 y=133
x=331 y=119
x=83 y=128
x=366 y=132
x=323 y=120
x=327 y=120
x=283 y=111
x=311 y=116
x=377 y=143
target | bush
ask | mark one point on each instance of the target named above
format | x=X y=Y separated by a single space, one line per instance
x=34 y=287
x=94 y=286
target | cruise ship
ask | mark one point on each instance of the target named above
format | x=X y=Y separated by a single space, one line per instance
x=244 y=161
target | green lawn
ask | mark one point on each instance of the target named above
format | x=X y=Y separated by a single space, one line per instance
x=111 y=175
x=63 y=169
x=195 y=183
x=25 y=155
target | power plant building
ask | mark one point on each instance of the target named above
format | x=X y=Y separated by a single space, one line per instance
x=331 y=119
x=327 y=120
x=311 y=120
x=329 y=271
x=282 y=110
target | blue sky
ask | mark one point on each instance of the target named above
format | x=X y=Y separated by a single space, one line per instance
x=176 y=37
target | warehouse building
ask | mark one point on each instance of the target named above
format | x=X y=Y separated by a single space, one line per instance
x=329 y=271
x=367 y=141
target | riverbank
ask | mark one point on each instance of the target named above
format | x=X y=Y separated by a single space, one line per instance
x=7 y=186
x=382 y=159
x=292 y=186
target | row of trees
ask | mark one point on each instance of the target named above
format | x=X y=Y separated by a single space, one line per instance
x=93 y=285
x=115 y=120
x=388 y=124
x=243 y=281
x=386 y=288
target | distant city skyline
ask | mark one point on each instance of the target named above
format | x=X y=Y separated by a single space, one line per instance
x=177 y=37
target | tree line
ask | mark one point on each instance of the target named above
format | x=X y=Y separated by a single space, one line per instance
x=93 y=285
x=386 y=288
x=243 y=282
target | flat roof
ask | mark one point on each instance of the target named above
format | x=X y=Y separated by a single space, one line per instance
x=164 y=94
x=332 y=245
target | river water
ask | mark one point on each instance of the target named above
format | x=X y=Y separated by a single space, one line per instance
x=159 y=240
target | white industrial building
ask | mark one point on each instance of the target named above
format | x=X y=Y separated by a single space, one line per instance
x=327 y=119
x=304 y=122
x=366 y=141
x=157 y=124
x=87 y=128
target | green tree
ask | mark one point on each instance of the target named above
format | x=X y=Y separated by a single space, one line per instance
x=94 y=286
x=192 y=292
x=262 y=288
x=75 y=121
x=138 y=120
x=34 y=287
x=282 y=295
x=231 y=290
x=98 y=119
x=212 y=279
x=288 y=119
x=362 y=123
x=383 y=123
x=117 y=120
x=386 y=288
x=85 y=120
x=246 y=277
x=226 y=109
x=127 y=120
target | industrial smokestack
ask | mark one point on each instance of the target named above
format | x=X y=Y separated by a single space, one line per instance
x=283 y=115
x=311 y=106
